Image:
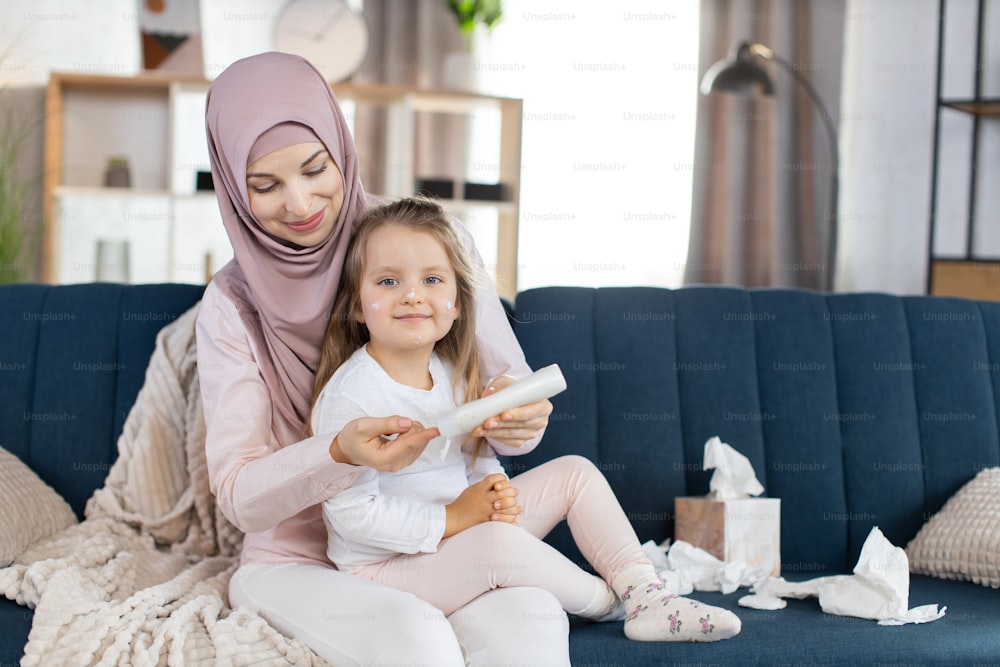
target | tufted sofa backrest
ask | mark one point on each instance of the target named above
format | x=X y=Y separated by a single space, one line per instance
x=855 y=409
x=72 y=359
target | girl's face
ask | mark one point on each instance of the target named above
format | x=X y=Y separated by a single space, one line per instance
x=409 y=295
x=296 y=193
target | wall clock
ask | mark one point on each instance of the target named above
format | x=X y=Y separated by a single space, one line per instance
x=327 y=33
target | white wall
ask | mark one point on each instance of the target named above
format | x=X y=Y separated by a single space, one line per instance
x=887 y=125
x=103 y=36
x=610 y=93
x=88 y=36
x=887 y=119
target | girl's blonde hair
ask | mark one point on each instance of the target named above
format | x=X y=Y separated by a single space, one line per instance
x=345 y=333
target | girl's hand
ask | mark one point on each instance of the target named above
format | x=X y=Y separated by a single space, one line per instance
x=518 y=425
x=505 y=507
x=362 y=442
x=490 y=499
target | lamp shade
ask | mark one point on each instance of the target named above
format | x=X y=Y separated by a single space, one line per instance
x=738 y=73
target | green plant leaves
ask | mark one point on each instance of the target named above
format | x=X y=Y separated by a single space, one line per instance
x=470 y=12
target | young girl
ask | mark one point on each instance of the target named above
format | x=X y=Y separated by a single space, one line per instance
x=401 y=340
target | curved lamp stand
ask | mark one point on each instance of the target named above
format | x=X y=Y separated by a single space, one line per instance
x=740 y=73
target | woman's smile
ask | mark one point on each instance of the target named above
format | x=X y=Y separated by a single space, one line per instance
x=309 y=224
x=286 y=184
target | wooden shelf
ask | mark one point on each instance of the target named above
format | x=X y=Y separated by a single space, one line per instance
x=424 y=99
x=147 y=80
x=970 y=279
x=976 y=107
x=96 y=191
x=478 y=205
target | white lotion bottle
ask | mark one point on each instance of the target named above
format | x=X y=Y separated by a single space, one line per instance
x=543 y=383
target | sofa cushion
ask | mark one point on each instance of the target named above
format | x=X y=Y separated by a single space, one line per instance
x=962 y=541
x=15 y=624
x=32 y=510
x=801 y=634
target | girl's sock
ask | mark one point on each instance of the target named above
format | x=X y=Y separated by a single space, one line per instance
x=655 y=615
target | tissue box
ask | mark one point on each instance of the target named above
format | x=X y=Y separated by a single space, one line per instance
x=747 y=529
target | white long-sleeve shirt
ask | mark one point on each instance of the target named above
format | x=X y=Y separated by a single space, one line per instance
x=383 y=513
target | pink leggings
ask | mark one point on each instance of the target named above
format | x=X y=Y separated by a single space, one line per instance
x=496 y=554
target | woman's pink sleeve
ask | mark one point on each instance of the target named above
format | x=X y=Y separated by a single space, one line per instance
x=257 y=481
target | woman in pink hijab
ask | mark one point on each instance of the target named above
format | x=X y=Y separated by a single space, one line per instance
x=286 y=177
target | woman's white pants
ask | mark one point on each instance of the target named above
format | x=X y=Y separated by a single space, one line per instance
x=349 y=620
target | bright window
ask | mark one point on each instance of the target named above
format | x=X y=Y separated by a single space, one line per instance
x=609 y=95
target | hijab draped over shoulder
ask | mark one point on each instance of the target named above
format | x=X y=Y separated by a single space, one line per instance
x=283 y=293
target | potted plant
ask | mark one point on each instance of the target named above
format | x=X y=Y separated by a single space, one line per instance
x=469 y=13
x=17 y=235
x=459 y=69
x=116 y=174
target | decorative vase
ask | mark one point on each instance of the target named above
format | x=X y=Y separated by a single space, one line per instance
x=117 y=175
x=458 y=71
x=113 y=261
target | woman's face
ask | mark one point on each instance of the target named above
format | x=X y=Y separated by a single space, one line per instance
x=296 y=193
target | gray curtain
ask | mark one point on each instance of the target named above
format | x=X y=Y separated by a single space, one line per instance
x=763 y=166
x=408 y=42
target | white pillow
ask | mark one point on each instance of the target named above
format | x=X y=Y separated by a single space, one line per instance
x=32 y=510
x=962 y=541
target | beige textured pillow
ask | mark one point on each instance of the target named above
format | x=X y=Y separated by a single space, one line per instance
x=962 y=541
x=32 y=510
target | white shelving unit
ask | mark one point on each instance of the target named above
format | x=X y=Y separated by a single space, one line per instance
x=172 y=231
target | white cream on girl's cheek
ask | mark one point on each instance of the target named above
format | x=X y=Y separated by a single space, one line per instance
x=449 y=305
x=373 y=307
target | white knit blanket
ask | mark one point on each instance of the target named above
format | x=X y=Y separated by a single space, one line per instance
x=143 y=579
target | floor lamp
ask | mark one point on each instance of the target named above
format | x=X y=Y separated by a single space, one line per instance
x=740 y=73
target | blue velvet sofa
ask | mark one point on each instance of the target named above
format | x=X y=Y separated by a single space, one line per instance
x=839 y=401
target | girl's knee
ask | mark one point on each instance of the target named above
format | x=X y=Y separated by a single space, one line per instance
x=498 y=532
x=574 y=465
x=498 y=538
x=577 y=462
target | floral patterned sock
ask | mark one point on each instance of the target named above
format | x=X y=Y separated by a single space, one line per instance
x=653 y=614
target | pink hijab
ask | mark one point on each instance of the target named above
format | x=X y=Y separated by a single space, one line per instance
x=283 y=293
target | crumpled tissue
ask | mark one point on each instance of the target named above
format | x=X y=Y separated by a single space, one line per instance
x=675 y=583
x=685 y=568
x=734 y=476
x=879 y=589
